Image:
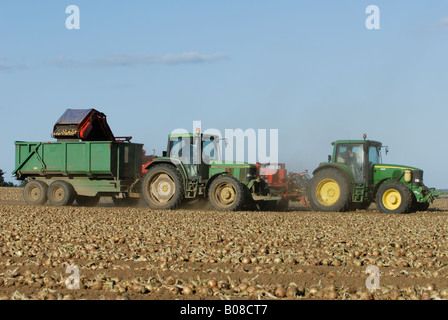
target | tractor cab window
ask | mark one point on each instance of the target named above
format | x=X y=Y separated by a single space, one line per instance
x=352 y=156
x=210 y=149
x=185 y=149
x=182 y=148
x=374 y=155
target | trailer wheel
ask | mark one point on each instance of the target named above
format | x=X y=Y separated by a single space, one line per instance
x=162 y=187
x=61 y=193
x=226 y=193
x=329 y=191
x=86 y=201
x=394 y=197
x=35 y=192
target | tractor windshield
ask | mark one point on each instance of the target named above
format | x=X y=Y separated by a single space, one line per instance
x=210 y=149
x=352 y=156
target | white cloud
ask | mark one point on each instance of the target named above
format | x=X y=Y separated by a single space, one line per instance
x=6 y=66
x=443 y=22
x=126 y=60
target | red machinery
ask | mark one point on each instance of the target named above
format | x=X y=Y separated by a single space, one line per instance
x=291 y=186
x=83 y=124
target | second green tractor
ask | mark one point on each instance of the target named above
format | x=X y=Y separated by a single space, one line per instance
x=354 y=177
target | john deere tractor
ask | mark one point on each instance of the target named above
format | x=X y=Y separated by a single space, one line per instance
x=191 y=168
x=354 y=177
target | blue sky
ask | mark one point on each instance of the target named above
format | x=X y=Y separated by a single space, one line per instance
x=310 y=69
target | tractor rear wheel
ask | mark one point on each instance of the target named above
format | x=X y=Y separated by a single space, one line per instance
x=163 y=187
x=394 y=197
x=61 y=193
x=35 y=192
x=329 y=191
x=226 y=193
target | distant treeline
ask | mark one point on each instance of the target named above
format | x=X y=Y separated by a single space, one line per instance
x=3 y=183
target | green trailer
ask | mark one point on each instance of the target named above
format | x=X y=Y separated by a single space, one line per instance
x=64 y=171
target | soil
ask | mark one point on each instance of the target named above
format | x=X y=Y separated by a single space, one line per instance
x=138 y=254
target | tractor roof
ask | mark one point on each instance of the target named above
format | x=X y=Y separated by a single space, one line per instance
x=372 y=142
x=190 y=135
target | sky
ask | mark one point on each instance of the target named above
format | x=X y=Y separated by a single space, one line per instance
x=311 y=69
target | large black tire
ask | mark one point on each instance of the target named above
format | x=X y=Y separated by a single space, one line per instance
x=227 y=193
x=35 y=192
x=61 y=193
x=162 y=187
x=86 y=201
x=329 y=191
x=394 y=197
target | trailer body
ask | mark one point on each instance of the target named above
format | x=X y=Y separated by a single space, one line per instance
x=91 y=167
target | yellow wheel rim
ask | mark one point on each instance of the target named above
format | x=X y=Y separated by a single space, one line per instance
x=391 y=199
x=328 y=192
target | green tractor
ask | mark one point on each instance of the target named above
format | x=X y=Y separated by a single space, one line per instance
x=354 y=177
x=192 y=168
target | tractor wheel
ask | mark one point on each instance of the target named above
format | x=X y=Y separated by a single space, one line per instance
x=35 y=192
x=162 y=187
x=61 y=193
x=329 y=191
x=125 y=202
x=418 y=206
x=394 y=197
x=86 y=201
x=226 y=193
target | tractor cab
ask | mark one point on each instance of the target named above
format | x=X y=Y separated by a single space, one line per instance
x=195 y=151
x=359 y=156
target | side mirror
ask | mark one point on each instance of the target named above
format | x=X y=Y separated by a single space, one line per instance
x=329 y=158
x=164 y=153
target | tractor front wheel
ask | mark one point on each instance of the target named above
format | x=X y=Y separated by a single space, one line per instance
x=329 y=191
x=226 y=193
x=394 y=197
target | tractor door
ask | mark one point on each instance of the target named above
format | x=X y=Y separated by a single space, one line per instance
x=352 y=156
x=374 y=152
x=210 y=152
x=183 y=148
